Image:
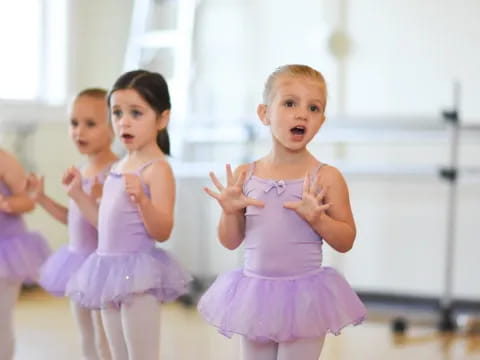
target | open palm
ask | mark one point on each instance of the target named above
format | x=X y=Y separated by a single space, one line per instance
x=231 y=197
x=311 y=204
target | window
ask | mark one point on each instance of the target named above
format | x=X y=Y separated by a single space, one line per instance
x=33 y=50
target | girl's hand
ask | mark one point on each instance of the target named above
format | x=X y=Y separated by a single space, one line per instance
x=133 y=186
x=231 y=198
x=311 y=206
x=72 y=180
x=35 y=186
x=5 y=205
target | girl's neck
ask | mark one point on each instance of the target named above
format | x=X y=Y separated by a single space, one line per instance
x=282 y=156
x=143 y=155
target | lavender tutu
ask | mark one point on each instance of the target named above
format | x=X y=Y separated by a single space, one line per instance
x=59 y=268
x=111 y=280
x=22 y=255
x=275 y=309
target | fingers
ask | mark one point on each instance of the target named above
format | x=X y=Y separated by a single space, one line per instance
x=315 y=188
x=241 y=179
x=306 y=183
x=216 y=182
x=324 y=207
x=291 y=204
x=67 y=178
x=212 y=193
x=230 y=181
x=321 y=194
x=255 y=202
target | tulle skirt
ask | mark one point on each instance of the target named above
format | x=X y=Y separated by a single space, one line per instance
x=59 y=268
x=21 y=256
x=281 y=309
x=111 y=280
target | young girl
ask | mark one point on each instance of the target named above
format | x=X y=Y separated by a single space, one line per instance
x=282 y=207
x=92 y=134
x=128 y=276
x=21 y=252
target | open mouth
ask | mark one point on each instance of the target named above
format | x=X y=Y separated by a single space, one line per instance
x=298 y=130
x=127 y=137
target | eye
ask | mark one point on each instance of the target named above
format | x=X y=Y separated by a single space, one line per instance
x=314 y=108
x=91 y=124
x=289 y=103
x=116 y=113
x=136 y=113
x=73 y=123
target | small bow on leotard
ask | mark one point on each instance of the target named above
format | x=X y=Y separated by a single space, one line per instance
x=279 y=185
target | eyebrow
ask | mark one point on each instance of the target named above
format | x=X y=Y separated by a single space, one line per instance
x=295 y=96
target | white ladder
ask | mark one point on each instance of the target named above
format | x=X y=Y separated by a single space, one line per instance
x=179 y=42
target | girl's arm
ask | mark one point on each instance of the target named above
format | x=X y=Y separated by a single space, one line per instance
x=15 y=178
x=87 y=204
x=158 y=210
x=336 y=224
x=55 y=209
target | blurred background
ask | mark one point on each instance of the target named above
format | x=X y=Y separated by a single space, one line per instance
x=403 y=108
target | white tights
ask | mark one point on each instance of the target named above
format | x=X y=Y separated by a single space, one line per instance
x=92 y=334
x=133 y=331
x=305 y=349
x=8 y=296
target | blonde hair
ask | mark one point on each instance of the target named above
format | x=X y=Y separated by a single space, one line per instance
x=98 y=93
x=295 y=70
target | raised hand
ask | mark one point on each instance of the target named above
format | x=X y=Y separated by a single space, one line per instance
x=231 y=198
x=35 y=186
x=72 y=180
x=311 y=205
x=133 y=187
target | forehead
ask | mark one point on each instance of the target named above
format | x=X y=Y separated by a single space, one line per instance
x=127 y=97
x=299 y=85
x=89 y=104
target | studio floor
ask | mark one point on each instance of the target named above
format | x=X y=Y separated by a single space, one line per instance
x=45 y=330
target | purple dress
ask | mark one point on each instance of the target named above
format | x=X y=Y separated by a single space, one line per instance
x=126 y=262
x=283 y=293
x=82 y=235
x=22 y=253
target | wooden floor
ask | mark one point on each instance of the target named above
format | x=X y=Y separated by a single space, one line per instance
x=45 y=330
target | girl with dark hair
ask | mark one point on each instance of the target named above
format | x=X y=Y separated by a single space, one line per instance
x=128 y=276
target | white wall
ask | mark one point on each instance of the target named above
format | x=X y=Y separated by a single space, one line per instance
x=403 y=55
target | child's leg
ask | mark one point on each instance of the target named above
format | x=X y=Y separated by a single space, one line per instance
x=141 y=323
x=306 y=349
x=101 y=342
x=112 y=322
x=84 y=320
x=8 y=296
x=252 y=350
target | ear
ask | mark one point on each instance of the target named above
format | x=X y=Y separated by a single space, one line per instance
x=163 y=119
x=263 y=114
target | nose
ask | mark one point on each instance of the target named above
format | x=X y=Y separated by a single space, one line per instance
x=301 y=113
x=124 y=121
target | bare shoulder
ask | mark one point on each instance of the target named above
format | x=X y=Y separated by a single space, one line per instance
x=158 y=170
x=330 y=172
